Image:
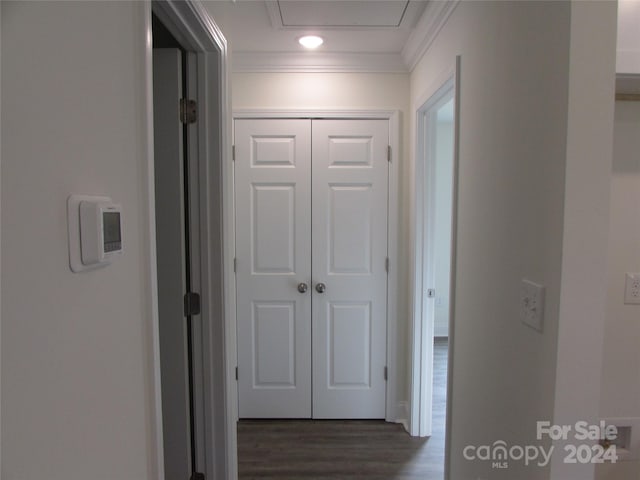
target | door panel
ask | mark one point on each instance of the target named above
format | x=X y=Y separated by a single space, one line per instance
x=350 y=182
x=349 y=327
x=350 y=219
x=273 y=240
x=273 y=248
x=274 y=349
x=171 y=254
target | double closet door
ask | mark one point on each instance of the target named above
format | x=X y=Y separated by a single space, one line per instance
x=311 y=279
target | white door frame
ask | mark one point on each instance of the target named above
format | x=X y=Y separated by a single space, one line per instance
x=190 y=23
x=421 y=390
x=393 y=412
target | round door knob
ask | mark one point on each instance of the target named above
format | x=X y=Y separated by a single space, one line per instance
x=302 y=287
x=321 y=287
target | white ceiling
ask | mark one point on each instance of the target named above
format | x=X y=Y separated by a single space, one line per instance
x=359 y=35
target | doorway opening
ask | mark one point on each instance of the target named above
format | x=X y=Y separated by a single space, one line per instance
x=188 y=123
x=311 y=447
x=174 y=161
x=434 y=263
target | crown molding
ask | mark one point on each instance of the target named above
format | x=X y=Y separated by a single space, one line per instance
x=434 y=17
x=319 y=62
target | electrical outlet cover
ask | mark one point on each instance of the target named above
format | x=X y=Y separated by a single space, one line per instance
x=632 y=289
x=532 y=304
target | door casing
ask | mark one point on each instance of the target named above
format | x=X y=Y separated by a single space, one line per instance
x=394 y=412
x=190 y=23
x=421 y=361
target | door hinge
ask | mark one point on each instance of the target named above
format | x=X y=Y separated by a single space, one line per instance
x=385 y=374
x=233 y=153
x=235 y=264
x=191 y=304
x=386 y=264
x=236 y=373
x=188 y=111
x=388 y=153
x=197 y=476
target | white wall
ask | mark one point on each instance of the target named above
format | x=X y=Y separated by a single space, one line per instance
x=620 y=394
x=628 y=49
x=586 y=226
x=513 y=125
x=76 y=373
x=340 y=91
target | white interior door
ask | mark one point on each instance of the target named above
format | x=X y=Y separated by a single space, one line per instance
x=171 y=251
x=350 y=184
x=306 y=200
x=273 y=251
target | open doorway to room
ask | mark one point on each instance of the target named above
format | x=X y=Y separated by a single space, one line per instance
x=174 y=224
x=435 y=206
x=187 y=92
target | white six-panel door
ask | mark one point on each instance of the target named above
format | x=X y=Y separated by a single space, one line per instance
x=273 y=245
x=308 y=200
x=349 y=183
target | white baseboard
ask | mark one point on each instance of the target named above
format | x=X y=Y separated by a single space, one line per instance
x=402 y=414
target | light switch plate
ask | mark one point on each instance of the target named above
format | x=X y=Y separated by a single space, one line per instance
x=532 y=304
x=632 y=289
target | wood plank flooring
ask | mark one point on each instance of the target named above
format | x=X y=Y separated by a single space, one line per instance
x=346 y=450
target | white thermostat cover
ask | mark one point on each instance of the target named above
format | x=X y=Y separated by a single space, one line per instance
x=74 y=226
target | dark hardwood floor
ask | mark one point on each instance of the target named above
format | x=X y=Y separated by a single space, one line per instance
x=353 y=449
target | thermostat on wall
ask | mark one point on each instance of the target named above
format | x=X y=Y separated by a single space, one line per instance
x=95 y=231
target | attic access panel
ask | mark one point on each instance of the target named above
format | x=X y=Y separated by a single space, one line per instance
x=342 y=13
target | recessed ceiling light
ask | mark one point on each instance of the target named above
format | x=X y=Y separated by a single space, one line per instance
x=310 y=41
